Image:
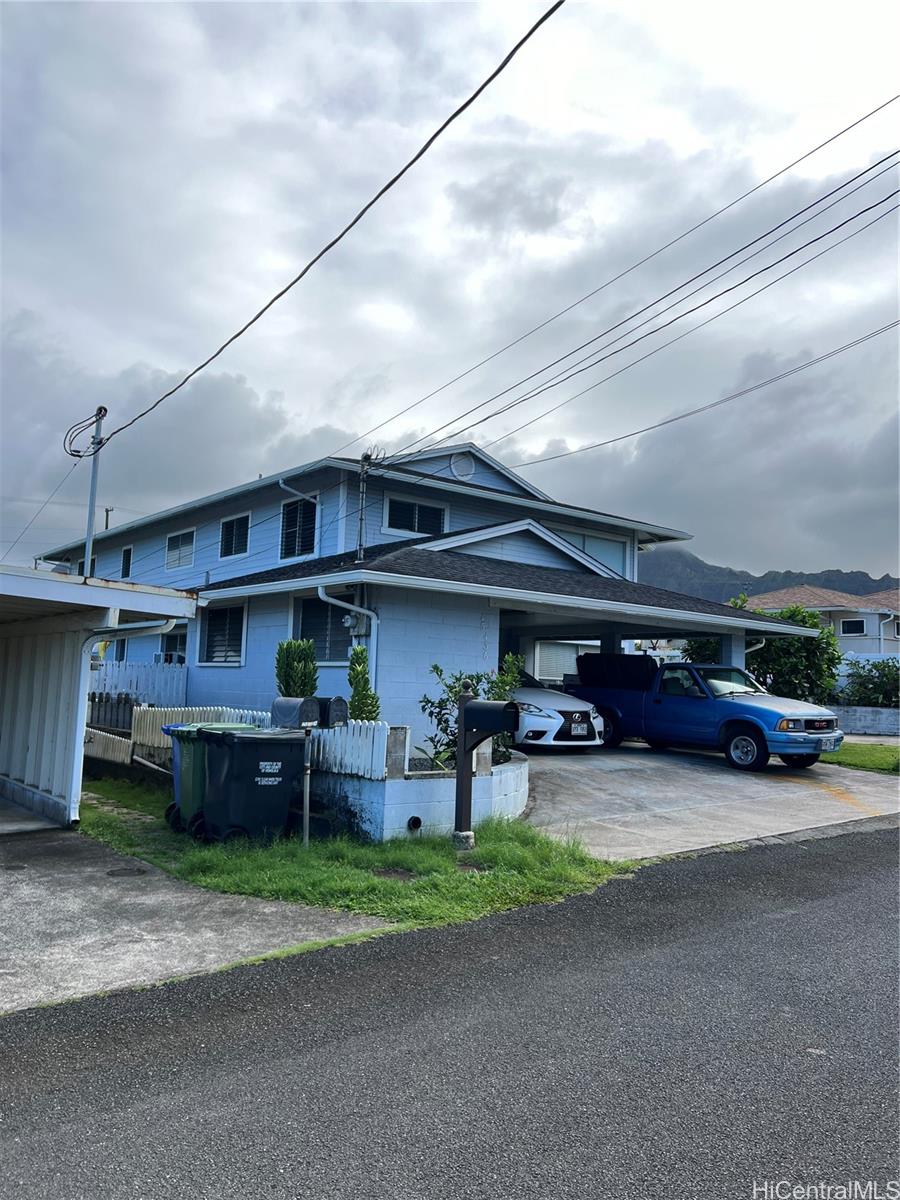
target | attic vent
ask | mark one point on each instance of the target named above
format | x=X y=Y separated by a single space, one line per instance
x=462 y=466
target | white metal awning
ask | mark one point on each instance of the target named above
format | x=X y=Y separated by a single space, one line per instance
x=48 y=624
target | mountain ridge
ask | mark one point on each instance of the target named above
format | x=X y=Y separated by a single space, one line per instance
x=679 y=570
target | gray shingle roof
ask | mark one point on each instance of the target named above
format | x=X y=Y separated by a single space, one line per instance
x=451 y=566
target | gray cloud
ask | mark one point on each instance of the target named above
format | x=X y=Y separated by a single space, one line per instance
x=169 y=167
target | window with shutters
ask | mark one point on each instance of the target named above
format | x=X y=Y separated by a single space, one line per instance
x=409 y=516
x=234 y=536
x=180 y=550
x=323 y=624
x=125 y=570
x=223 y=636
x=298 y=528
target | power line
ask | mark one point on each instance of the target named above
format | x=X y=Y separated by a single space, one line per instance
x=579 y=370
x=10 y=549
x=621 y=275
x=693 y=412
x=731 y=307
x=343 y=233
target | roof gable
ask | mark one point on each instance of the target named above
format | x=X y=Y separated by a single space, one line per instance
x=523 y=541
x=467 y=463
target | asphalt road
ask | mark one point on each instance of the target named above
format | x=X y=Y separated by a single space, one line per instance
x=707 y=1024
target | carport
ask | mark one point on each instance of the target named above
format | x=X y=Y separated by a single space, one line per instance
x=49 y=624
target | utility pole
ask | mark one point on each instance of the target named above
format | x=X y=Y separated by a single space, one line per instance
x=106 y=513
x=364 y=464
x=96 y=443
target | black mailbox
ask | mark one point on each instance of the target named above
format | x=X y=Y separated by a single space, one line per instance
x=491 y=716
x=333 y=711
x=295 y=712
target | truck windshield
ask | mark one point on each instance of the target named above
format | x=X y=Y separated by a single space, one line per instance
x=729 y=681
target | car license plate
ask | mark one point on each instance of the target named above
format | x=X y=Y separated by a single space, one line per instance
x=579 y=730
x=826 y=743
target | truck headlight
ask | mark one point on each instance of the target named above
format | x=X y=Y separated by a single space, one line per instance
x=790 y=725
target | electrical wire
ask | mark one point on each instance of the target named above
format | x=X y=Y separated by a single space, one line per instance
x=621 y=275
x=343 y=233
x=562 y=377
x=693 y=412
x=65 y=477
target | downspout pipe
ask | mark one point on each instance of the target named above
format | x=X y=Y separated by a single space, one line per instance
x=373 y=619
x=115 y=633
x=754 y=646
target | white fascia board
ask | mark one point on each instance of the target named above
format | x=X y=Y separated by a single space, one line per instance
x=550 y=599
x=23 y=583
x=526 y=525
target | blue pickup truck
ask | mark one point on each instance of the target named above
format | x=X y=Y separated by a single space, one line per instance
x=695 y=704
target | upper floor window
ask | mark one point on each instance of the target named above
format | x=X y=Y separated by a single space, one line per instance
x=853 y=628
x=609 y=551
x=180 y=550
x=93 y=570
x=222 y=641
x=413 y=517
x=897 y=629
x=298 y=528
x=324 y=624
x=125 y=570
x=234 y=536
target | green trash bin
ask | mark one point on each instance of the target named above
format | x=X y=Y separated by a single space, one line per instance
x=191 y=790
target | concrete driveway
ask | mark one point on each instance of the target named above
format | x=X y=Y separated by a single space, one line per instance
x=634 y=802
x=77 y=918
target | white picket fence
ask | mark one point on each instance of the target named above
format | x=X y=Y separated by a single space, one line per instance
x=148 y=683
x=107 y=746
x=147 y=723
x=358 y=748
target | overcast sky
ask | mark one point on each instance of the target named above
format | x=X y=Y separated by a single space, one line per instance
x=166 y=167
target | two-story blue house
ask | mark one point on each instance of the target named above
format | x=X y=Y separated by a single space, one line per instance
x=441 y=556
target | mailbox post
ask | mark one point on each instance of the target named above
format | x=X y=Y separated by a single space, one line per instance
x=477 y=720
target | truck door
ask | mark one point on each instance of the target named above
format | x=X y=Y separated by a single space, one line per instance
x=680 y=710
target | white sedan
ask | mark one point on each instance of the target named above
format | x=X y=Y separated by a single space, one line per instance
x=549 y=718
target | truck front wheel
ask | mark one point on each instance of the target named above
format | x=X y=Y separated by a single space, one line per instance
x=746 y=749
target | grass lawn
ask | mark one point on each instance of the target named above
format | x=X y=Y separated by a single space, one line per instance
x=866 y=756
x=425 y=880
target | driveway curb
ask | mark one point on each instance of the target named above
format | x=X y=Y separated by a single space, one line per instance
x=838 y=829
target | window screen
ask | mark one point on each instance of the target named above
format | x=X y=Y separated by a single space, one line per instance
x=324 y=624
x=298 y=528
x=417 y=518
x=126 y=563
x=180 y=550
x=853 y=627
x=223 y=633
x=234 y=536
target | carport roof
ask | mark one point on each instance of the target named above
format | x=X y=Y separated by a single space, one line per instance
x=472 y=573
x=29 y=595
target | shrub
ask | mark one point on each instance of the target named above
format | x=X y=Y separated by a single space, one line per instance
x=443 y=709
x=872 y=684
x=364 y=704
x=296 y=673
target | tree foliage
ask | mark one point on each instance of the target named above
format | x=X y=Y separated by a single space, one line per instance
x=443 y=708
x=797 y=667
x=364 y=704
x=872 y=684
x=296 y=673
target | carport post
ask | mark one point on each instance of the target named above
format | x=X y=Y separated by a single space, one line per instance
x=732 y=650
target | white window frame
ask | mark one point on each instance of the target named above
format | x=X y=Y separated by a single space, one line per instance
x=81 y=563
x=201 y=636
x=314 y=553
x=236 y=517
x=626 y=540
x=897 y=629
x=130 y=561
x=844 y=621
x=410 y=533
x=177 y=629
x=180 y=533
x=298 y=599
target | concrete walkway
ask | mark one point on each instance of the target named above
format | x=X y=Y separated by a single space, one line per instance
x=634 y=802
x=15 y=819
x=76 y=918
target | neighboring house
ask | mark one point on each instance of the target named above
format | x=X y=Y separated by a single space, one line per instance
x=444 y=556
x=865 y=625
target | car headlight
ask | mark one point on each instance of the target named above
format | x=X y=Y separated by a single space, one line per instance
x=594 y=713
x=790 y=725
x=532 y=709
